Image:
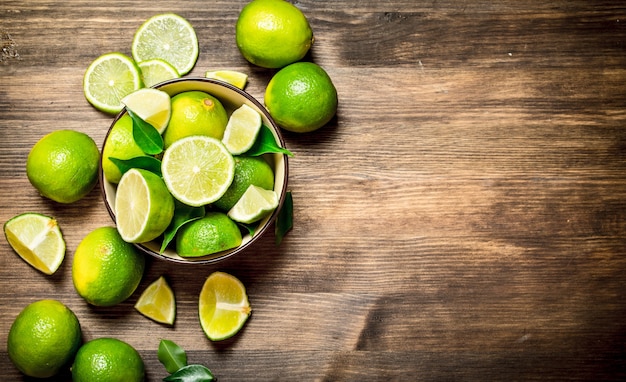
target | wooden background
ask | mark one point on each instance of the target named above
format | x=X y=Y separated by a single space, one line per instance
x=463 y=217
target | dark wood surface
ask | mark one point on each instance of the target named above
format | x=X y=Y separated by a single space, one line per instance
x=463 y=217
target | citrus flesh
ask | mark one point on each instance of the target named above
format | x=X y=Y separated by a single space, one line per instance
x=248 y=170
x=215 y=232
x=242 y=129
x=107 y=360
x=223 y=306
x=44 y=338
x=255 y=204
x=119 y=144
x=168 y=37
x=110 y=78
x=143 y=206
x=157 y=302
x=233 y=77
x=37 y=239
x=151 y=105
x=155 y=71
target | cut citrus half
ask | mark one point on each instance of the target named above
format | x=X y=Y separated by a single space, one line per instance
x=37 y=239
x=156 y=70
x=157 y=302
x=152 y=105
x=223 y=306
x=242 y=129
x=110 y=78
x=232 y=77
x=168 y=37
x=143 y=206
x=197 y=170
x=254 y=205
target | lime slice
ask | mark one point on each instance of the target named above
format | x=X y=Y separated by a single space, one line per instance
x=143 y=206
x=168 y=37
x=156 y=70
x=110 y=78
x=232 y=77
x=197 y=170
x=223 y=306
x=253 y=205
x=152 y=105
x=157 y=302
x=242 y=129
x=37 y=239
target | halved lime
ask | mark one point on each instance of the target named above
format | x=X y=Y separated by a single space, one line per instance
x=242 y=129
x=157 y=302
x=223 y=306
x=37 y=239
x=197 y=169
x=156 y=70
x=232 y=77
x=110 y=78
x=168 y=37
x=152 y=105
x=255 y=204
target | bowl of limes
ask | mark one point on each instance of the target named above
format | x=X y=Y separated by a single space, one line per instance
x=193 y=170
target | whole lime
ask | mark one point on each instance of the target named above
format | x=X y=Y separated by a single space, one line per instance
x=273 y=33
x=119 y=144
x=106 y=270
x=107 y=360
x=301 y=97
x=63 y=165
x=44 y=338
x=248 y=170
x=213 y=233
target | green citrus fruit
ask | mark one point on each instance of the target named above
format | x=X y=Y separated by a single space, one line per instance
x=301 y=97
x=213 y=233
x=273 y=33
x=255 y=204
x=248 y=171
x=119 y=144
x=157 y=302
x=195 y=113
x=107 y=360
x=63 y=165
x=155 y=70
x=106 y=270
x=44 y=338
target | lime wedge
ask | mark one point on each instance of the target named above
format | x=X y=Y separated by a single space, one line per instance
x=254 y=205
x=232 y=77
x=168 y=37
x=143 y=206
x=223 y=306
x=152 y=105
x=37 y=239
x=156 y=70
x=197 y=170
x=157 y=302
x=242 y=129
x=110 y=78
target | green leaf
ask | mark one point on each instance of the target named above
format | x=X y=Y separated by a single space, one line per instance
x=284 y=220
x=172 y=356
x=191 y=373
x=251 y=228
x=145 y=162
x=145 y=135
x=266 y=143
x=182 y=215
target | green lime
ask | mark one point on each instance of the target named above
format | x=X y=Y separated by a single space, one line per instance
x=107 y=360
x=255 y=204
x=63 y=165
x=235 y=78
x=157 y=302
x=155 y=71
x=119 y=144
x=242 y=129
x=195 y=113
x=248 y=170
x=213 y=233
x=106 y=270
x=44 y=338
x=273 y=33
x=152 y=105
x=301 y=97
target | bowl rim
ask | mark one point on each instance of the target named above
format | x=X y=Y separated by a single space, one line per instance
x=219 y=256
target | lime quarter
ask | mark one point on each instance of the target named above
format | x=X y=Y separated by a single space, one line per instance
x=157 y=302
x=152 y=105
x=242 y=129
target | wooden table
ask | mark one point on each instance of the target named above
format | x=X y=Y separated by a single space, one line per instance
x=463 y=217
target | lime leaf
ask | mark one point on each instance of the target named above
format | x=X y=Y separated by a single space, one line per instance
x=145 y=162
x=284 y=219
x=191 y=373
x=182 y=214
x=266 y=143
x=145 y=135
x=172 y=356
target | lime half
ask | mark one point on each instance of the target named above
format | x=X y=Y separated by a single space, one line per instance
x=242 y=129
x=156 y=70
x=157 y=302
x=152 y=105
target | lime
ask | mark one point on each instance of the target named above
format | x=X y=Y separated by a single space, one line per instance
x=168 y=37
x=255 y=204
x=44 y=338
x=195 y=113
x=106 y=270
x=37 y=239
x=155 y=71
x=63 y=165
x=151 y=105
x=242 y=129
x=248 y=170
x=232 y=77
x=143 y=206
x=197 y=170
x=273 y=33
x=301 y=97
x=157 y=302
x=119 y=144
x=110 y=78
x=107 y=360
x=223 y=306
x=213 y=233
